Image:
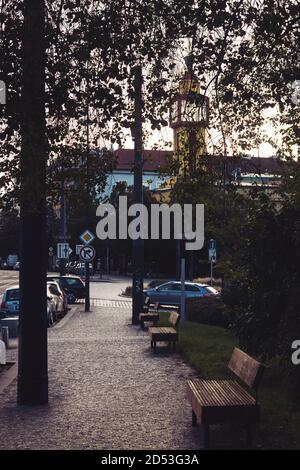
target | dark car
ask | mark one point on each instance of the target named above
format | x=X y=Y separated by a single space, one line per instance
x=73 y=286
x=169 y=293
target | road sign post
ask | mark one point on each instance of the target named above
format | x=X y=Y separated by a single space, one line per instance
x=87 y=254
x=212 y=256
x=182 y=297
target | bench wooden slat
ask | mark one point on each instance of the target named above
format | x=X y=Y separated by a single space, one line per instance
x=248 y=369
x=219 y=402
x=227 y=401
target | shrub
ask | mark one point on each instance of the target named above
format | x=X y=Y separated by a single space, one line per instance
x=208 y=310
x=128 y=291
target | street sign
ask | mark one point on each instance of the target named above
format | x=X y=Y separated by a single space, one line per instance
x=63 y=250
x=70 y=251
x=212 y=244
x=87 y=237
x=87 y=253
x=78 y=248
x=212 y=255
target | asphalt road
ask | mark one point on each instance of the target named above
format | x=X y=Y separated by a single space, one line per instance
x=109 y=289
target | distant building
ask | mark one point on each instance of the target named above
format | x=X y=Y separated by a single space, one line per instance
x=154 y=162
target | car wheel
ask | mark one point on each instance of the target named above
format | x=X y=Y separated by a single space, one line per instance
x=71 y=298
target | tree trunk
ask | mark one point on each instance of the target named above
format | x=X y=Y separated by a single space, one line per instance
x=33 y=380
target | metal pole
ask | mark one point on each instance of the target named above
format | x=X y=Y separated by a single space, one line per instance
x=33 y=364
x=211 y=272
x=182 y=297
x=63 y=226
x=137 y=245
x=87 y=264
x=178 y=259
x=107 y=262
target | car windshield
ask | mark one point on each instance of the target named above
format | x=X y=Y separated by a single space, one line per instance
x=13 y=294
x=71 y=282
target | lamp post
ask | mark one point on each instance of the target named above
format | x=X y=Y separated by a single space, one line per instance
x=137 y=245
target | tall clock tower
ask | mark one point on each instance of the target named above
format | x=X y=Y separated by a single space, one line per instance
x=189 y=120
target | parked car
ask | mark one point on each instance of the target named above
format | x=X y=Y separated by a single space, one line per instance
x=10 y=304
x=169 y=293
x=54 y=291
x=51 y=313
x=73 y=286
x=10 y=301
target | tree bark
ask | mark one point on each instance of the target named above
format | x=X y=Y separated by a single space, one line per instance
x=33 y=378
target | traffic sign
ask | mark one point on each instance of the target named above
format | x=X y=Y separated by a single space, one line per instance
x=212 y=255
x=87 y=253
x=212 y=244
x=63 y=250
x=78 y=248
x=87 y=237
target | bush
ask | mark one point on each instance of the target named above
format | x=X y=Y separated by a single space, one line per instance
x=208 y=310
x=127 y=291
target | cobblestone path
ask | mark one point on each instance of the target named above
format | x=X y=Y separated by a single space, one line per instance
x=107 y=390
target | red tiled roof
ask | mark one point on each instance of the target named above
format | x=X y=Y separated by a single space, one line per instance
x=153 y=159
x=157 y=159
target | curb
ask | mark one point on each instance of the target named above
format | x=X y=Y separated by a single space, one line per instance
x=66 y=318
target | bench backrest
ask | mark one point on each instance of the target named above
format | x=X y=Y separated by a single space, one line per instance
x=174 y=318
x=246 y=368
x=147 y=299
x=156 y=306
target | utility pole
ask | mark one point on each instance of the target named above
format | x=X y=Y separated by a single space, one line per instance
x=33 y=367
x=137 y=245
x=87 y=264
x=63 y=224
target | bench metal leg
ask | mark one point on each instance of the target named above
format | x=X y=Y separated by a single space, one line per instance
x=154 y=346
x=174 y=346
x=206 y=437
x=194 y=418
x=151 y=344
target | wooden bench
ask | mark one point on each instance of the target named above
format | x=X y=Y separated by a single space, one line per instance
x=150 y=316
x=227 y=401
x=163 y=333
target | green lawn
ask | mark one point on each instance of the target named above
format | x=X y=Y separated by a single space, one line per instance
x=208 y=349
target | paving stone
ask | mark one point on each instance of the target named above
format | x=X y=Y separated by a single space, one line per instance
x=107 y=390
